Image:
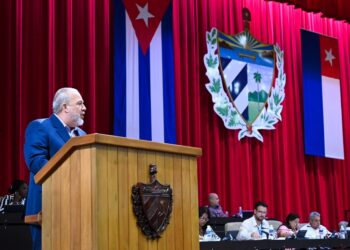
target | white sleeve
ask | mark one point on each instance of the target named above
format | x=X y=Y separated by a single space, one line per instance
x=309 y=234
x=243 y=233
x=325 y=230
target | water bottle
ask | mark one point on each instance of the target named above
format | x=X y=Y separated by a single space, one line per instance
x=209 y=230
x=320 y=233
x=210 y=235
x=240 y=212
x=342 y=232
x=271 y=233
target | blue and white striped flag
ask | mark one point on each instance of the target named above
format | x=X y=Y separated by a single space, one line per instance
x=144 y=104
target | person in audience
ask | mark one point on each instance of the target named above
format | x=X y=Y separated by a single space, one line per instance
x=17 y=194
x=256 y=227
x=215 y=209
x=314 y=229
x=203 y=220
x=290 y=226
x=44 y=137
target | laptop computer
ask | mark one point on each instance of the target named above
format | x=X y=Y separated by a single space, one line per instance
x=301 y=234
x=13 y=208
x=230 y=235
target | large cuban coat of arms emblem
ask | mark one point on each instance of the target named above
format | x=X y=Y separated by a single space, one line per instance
x=246 y=91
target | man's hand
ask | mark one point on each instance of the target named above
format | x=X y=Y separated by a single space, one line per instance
x=255 y=236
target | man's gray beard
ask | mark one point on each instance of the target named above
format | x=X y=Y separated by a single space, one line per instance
x=80 y=122
x=77 y=120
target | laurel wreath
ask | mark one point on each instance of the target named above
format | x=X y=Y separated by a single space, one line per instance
x=269 y=116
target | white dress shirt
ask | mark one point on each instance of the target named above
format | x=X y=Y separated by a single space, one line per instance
x=250 y=226
x=312 y=233
x=71 y=132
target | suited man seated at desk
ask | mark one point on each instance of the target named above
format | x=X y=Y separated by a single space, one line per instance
x=256 y=227
x=314 y=229
x=214 y=207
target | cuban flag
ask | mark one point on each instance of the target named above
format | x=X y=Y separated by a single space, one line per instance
x=144 y=105
x=322 y=99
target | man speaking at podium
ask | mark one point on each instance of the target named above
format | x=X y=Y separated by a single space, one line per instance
x=44 y=137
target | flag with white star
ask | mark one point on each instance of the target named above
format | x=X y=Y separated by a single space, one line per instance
x=323 y=135
x=145 y=17
x=144 y=104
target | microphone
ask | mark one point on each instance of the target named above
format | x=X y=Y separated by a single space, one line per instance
x=227 y=237
x=334 y=235
x=263 y=230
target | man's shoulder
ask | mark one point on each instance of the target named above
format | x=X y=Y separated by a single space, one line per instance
x=42 y=125
x=214 y=208
x=37 y=123
x=249 y=220
x=39 y=120
x=305 y=227
x=47 y=121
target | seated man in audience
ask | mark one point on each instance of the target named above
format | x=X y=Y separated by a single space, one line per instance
x=256 y=227
x=215 y=209
x=314 y=230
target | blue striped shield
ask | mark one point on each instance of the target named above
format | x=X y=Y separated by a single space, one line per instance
x=247 y=72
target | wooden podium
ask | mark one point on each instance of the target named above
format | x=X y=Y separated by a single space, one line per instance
x=87 y=194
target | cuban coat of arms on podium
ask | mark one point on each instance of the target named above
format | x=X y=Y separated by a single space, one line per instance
x=246 y=90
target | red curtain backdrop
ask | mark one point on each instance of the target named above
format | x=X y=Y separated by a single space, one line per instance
x=47 y=44
x=338 y=9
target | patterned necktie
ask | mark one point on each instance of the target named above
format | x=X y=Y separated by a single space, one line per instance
x=75 y=133
x=72 y=133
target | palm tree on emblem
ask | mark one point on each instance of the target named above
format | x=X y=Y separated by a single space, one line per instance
x=257 y=78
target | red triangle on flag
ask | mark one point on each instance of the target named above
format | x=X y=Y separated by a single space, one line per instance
x=145 y=16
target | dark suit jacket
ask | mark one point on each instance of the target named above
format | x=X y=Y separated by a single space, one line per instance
x=44 y=137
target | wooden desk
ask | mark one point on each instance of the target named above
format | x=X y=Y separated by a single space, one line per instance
x=14 y=234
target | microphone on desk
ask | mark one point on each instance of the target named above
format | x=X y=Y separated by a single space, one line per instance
x=227 y=237
x=334 y=235
x=263 y=230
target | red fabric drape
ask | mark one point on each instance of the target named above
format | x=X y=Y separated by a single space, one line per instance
x=338 y=9
x=276 y=171
x=50 y=44
x=45 y=45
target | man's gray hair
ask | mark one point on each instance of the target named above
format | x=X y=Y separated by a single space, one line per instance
x=61 y=97
x=314 y=214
